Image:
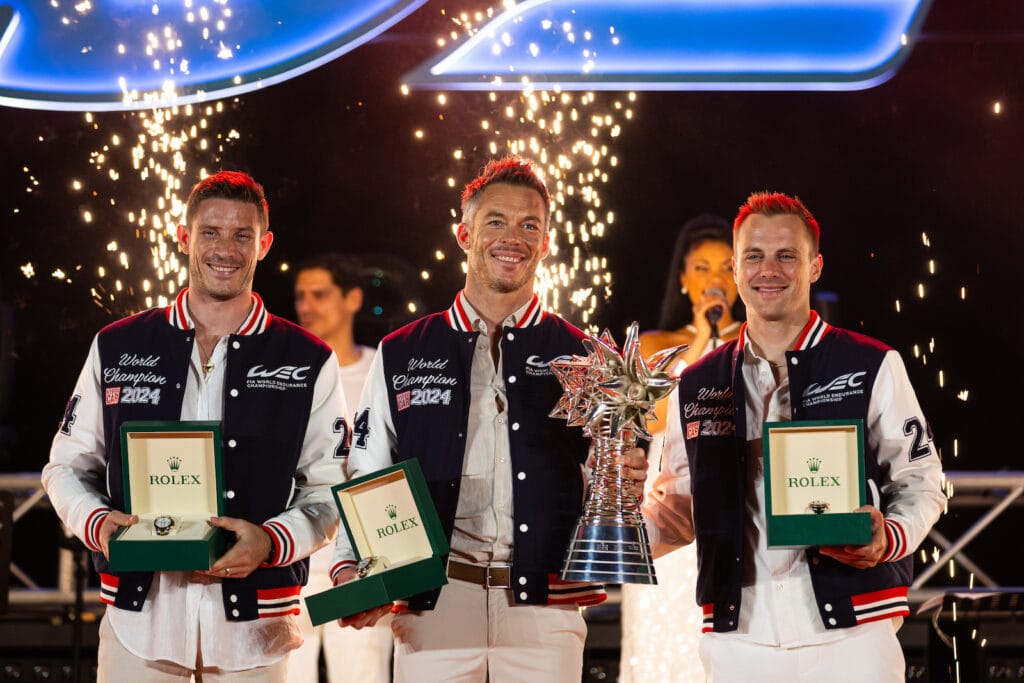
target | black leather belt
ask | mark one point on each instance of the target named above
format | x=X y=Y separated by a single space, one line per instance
x=491 y=576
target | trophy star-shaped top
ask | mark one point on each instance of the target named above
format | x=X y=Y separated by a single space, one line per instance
x=612 y=389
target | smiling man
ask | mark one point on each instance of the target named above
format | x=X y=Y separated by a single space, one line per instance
x=793 y=614
x=214 y=354
x=467 y=392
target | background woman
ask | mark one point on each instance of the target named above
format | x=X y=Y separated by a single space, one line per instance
x=661 y=624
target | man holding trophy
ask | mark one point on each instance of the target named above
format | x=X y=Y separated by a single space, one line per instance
x=827 y=608
x=467 y=392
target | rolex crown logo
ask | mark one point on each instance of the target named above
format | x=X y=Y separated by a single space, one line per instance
x=814 y=464
x=391 y=510
x=174 y=462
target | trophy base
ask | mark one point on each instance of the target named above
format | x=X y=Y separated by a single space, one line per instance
x=609 y=554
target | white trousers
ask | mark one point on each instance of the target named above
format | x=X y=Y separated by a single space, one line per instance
x=115 y=664
x=477 y=634
x=870 y=652
x=362 y=655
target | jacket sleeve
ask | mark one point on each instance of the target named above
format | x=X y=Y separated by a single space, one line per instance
x=373 y=444
x=75 y=476
x=311 y=520
x=668 y=509
x=911 y=496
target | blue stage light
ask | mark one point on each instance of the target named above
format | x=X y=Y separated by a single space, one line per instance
x=682 y=45
x=126 y=54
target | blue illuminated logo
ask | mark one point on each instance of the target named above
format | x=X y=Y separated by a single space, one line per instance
x=126 y=54
x=683 y=45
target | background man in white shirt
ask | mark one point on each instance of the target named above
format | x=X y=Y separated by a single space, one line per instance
x=328 y=295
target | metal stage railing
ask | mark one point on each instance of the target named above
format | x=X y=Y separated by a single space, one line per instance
x=28 y=494
x=995 y=491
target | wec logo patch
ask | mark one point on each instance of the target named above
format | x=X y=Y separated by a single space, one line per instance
x=285 y=372
x=693 y=429
x=112 y=396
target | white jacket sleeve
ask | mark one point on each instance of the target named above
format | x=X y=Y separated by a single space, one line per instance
x=75 y=476
x=311 y=519
x=911 y=497
x=668 y=509
x=373 y=444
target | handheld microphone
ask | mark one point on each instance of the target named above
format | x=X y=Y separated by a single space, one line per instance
x=714 y=314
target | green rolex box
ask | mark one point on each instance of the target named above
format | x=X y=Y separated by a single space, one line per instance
x=172 y=481
x=814 y=480
x=397 y=536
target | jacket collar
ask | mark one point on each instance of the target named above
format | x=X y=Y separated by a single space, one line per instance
x=462 y=318
x=812 y=334
x=255 y=323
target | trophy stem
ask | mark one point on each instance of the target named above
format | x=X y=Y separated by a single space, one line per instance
x=609 y=543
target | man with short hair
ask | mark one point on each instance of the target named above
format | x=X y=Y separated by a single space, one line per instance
x=328 y=295
x=214 y=354
x=467 y=392
x=793 y=614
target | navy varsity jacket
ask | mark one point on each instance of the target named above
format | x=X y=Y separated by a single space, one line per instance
x=831 y=375
x=426 y=370
x=272 y=366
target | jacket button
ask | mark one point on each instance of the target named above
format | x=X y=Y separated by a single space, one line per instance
x=828 y=607
x=512 y=379
x=731 y=623
x=233 y=598
x=521 y=476
x=515 y=426
x=138 y=588
x=234 y=392
x=524 y=528
x=229 y=494
x=232 y=443
x=510 y=336
x=794 y=361
x=522 y=580
x=135 y=603
x=523 y=595
x=236 y=345
x=234 y=613
x=732 y=608
x=832 y=621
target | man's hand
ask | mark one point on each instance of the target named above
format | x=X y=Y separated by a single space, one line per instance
x=251 y=548
x=862 y=556
x=634 y=465
x=362 y=619
x=114 y=520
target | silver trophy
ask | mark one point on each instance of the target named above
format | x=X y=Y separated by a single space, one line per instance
x=611 y=393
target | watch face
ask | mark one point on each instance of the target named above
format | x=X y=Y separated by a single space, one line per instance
x=163 y=524
x=365 y=565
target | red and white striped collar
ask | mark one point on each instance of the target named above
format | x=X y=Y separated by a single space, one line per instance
x=814 y=331
x=255 y=322
x=463 y=318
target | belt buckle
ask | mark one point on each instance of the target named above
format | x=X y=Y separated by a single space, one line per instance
x=498 y=576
